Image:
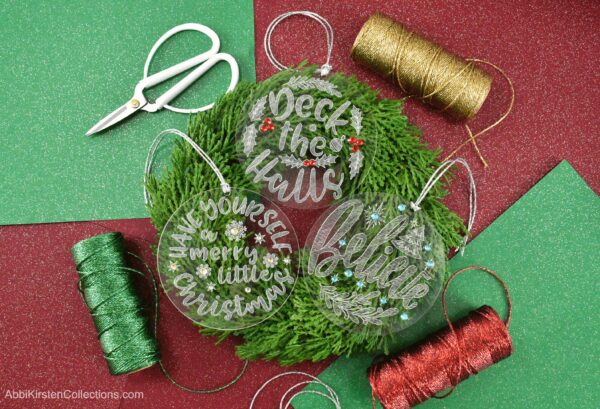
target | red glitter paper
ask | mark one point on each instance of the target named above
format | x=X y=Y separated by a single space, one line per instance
x=549 y=49
x=49 y=341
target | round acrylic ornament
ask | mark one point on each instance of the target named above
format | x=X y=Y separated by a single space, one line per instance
x=380 y=263
x=224 y=256
x=224 y=259
x=379 y=259
x=301 y=135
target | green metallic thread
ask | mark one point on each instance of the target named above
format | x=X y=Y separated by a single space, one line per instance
x=126 y=334
x=108 y=289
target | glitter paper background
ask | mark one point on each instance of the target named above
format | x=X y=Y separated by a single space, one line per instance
x=68 y=64
x=546 y=252
x=548 y=48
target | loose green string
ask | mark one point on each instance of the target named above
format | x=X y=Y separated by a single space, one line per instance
x=107 y=286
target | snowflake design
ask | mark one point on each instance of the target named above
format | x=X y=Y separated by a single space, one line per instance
x=270 y=260
x=173 y=266
x=287 y=260
x=259 y=238
x=334 y=278
x=374 y=216
x=210 y=287
x=235 y=230
x=203 y=271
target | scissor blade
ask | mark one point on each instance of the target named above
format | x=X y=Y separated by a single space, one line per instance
x=112 y=118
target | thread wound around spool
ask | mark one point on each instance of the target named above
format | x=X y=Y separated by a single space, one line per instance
x=442 y=360
x=121 y=317
x=421 y=68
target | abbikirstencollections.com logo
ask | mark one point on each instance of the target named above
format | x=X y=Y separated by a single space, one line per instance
x=70 y=394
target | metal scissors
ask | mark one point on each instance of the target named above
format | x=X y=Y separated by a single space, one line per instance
x=206 y=60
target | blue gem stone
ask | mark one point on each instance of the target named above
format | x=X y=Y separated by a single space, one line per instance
x=430 y=264
x=342 y=242
x=402 y=207
x=404 y=316
x=359 y=284
x=374 y=216
x=334 y=278
x=383 y=300
x=348 y=273
x=427 y=247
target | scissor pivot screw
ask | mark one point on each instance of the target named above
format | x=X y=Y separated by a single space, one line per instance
x=135 y=103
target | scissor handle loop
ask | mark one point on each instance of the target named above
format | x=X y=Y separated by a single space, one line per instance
x=211 y=57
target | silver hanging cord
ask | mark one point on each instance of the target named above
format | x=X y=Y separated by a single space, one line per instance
x=436 y=176
x=152 y=152
x=325 y=69
x=331 y=395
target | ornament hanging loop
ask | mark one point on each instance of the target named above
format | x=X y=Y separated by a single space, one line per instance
x=326 y=68
x=436 y=176
x=225 y=187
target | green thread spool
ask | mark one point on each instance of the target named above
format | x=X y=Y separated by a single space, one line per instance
x=125 y=331
x=108 y=289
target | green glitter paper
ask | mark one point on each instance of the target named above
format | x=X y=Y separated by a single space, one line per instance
x=66 y=65
x=545 y=247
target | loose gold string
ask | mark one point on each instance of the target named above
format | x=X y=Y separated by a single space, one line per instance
x=473 y=137
x=424 y=70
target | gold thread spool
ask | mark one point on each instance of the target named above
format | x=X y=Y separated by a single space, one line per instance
x=422 y=68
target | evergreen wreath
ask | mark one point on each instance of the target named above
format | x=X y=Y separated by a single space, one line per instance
x=299 y=331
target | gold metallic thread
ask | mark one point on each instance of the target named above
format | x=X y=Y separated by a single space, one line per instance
x=421 y=68
x=426 y=71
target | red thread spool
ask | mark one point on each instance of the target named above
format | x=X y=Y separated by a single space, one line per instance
x=444 y=359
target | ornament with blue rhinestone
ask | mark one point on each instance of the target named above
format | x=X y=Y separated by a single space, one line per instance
x=374 y=216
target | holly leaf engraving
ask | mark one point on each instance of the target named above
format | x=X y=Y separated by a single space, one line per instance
x=249 y=139
x=258 y=109
x=304 y=83
x=325 y=161
x=355 y=161
x=291 y=161
x=356 y=119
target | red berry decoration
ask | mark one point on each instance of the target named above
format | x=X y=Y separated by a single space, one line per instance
x=356 y=143
x=306 y=162
x=313 y=162
x=268 y=125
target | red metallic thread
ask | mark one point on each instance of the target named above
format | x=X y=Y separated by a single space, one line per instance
x=445 y=358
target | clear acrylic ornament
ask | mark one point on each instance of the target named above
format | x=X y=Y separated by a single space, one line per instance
x=378 y=261
x=225 y=256
x=301 y=137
